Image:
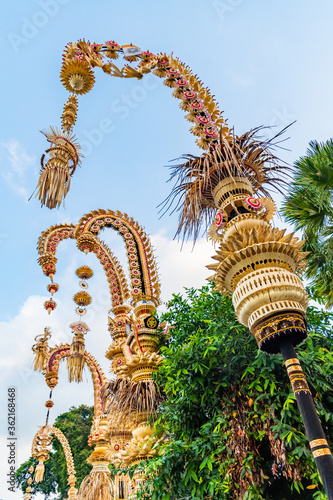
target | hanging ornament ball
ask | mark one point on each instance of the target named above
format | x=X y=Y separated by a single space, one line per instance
x=31 y=469
x=49 y=403
x=82 y=298
x=29 y=480
x=253 y=203
x=84 y=272
x=81 y=311
x=83 y=285
x=52 y=288
x=219 y=219
x=50 y=305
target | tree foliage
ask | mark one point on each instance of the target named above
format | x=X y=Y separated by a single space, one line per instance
x=309 y=207
x=230 y=418
x=75 y=424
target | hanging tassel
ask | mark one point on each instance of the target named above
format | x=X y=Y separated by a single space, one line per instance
x=53 y=183
x=41 y=350
x=97 y=485
x=40 y=358
x=75 y=360
x=64 y=156
x=39 y=472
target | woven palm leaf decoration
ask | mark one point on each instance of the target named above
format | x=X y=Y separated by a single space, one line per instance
x=255 y=263
x=122 y=432
x=77 y=75
x=64 y=156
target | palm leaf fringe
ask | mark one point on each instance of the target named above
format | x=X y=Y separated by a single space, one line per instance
x=247 y=155
x=53 y=185
x=128 y=398
x=96 y=486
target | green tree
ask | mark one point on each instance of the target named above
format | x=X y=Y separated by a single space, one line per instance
x=230 y=419
x=309 y=207
x=75 y=424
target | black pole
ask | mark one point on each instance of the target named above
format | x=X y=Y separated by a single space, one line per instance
x=313 y=427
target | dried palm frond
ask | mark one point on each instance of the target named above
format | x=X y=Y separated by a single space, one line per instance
x=247 y=156
x=127 y=397
x=96 y=486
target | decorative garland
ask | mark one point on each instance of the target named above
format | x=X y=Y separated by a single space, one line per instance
x=77 y=76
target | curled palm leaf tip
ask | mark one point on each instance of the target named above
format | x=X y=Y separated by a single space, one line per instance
x=309 y=207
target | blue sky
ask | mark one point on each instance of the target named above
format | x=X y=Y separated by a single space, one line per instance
x=267 y=62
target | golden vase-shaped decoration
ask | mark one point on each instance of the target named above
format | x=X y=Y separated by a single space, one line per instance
x=257 y=264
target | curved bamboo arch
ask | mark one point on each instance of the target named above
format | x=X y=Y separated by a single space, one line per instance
x=47 y=248
x=115 y=275
x=142 y=265
x=51 y=237
x=57 y=354
x=77 y=76
x=143 y=269
x=81 y=57
x=41 y=444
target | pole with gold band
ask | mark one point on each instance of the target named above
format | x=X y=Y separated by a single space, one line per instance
x=314 y=431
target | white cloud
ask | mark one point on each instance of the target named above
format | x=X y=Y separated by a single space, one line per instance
x=15 y=162
x=181 y=265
